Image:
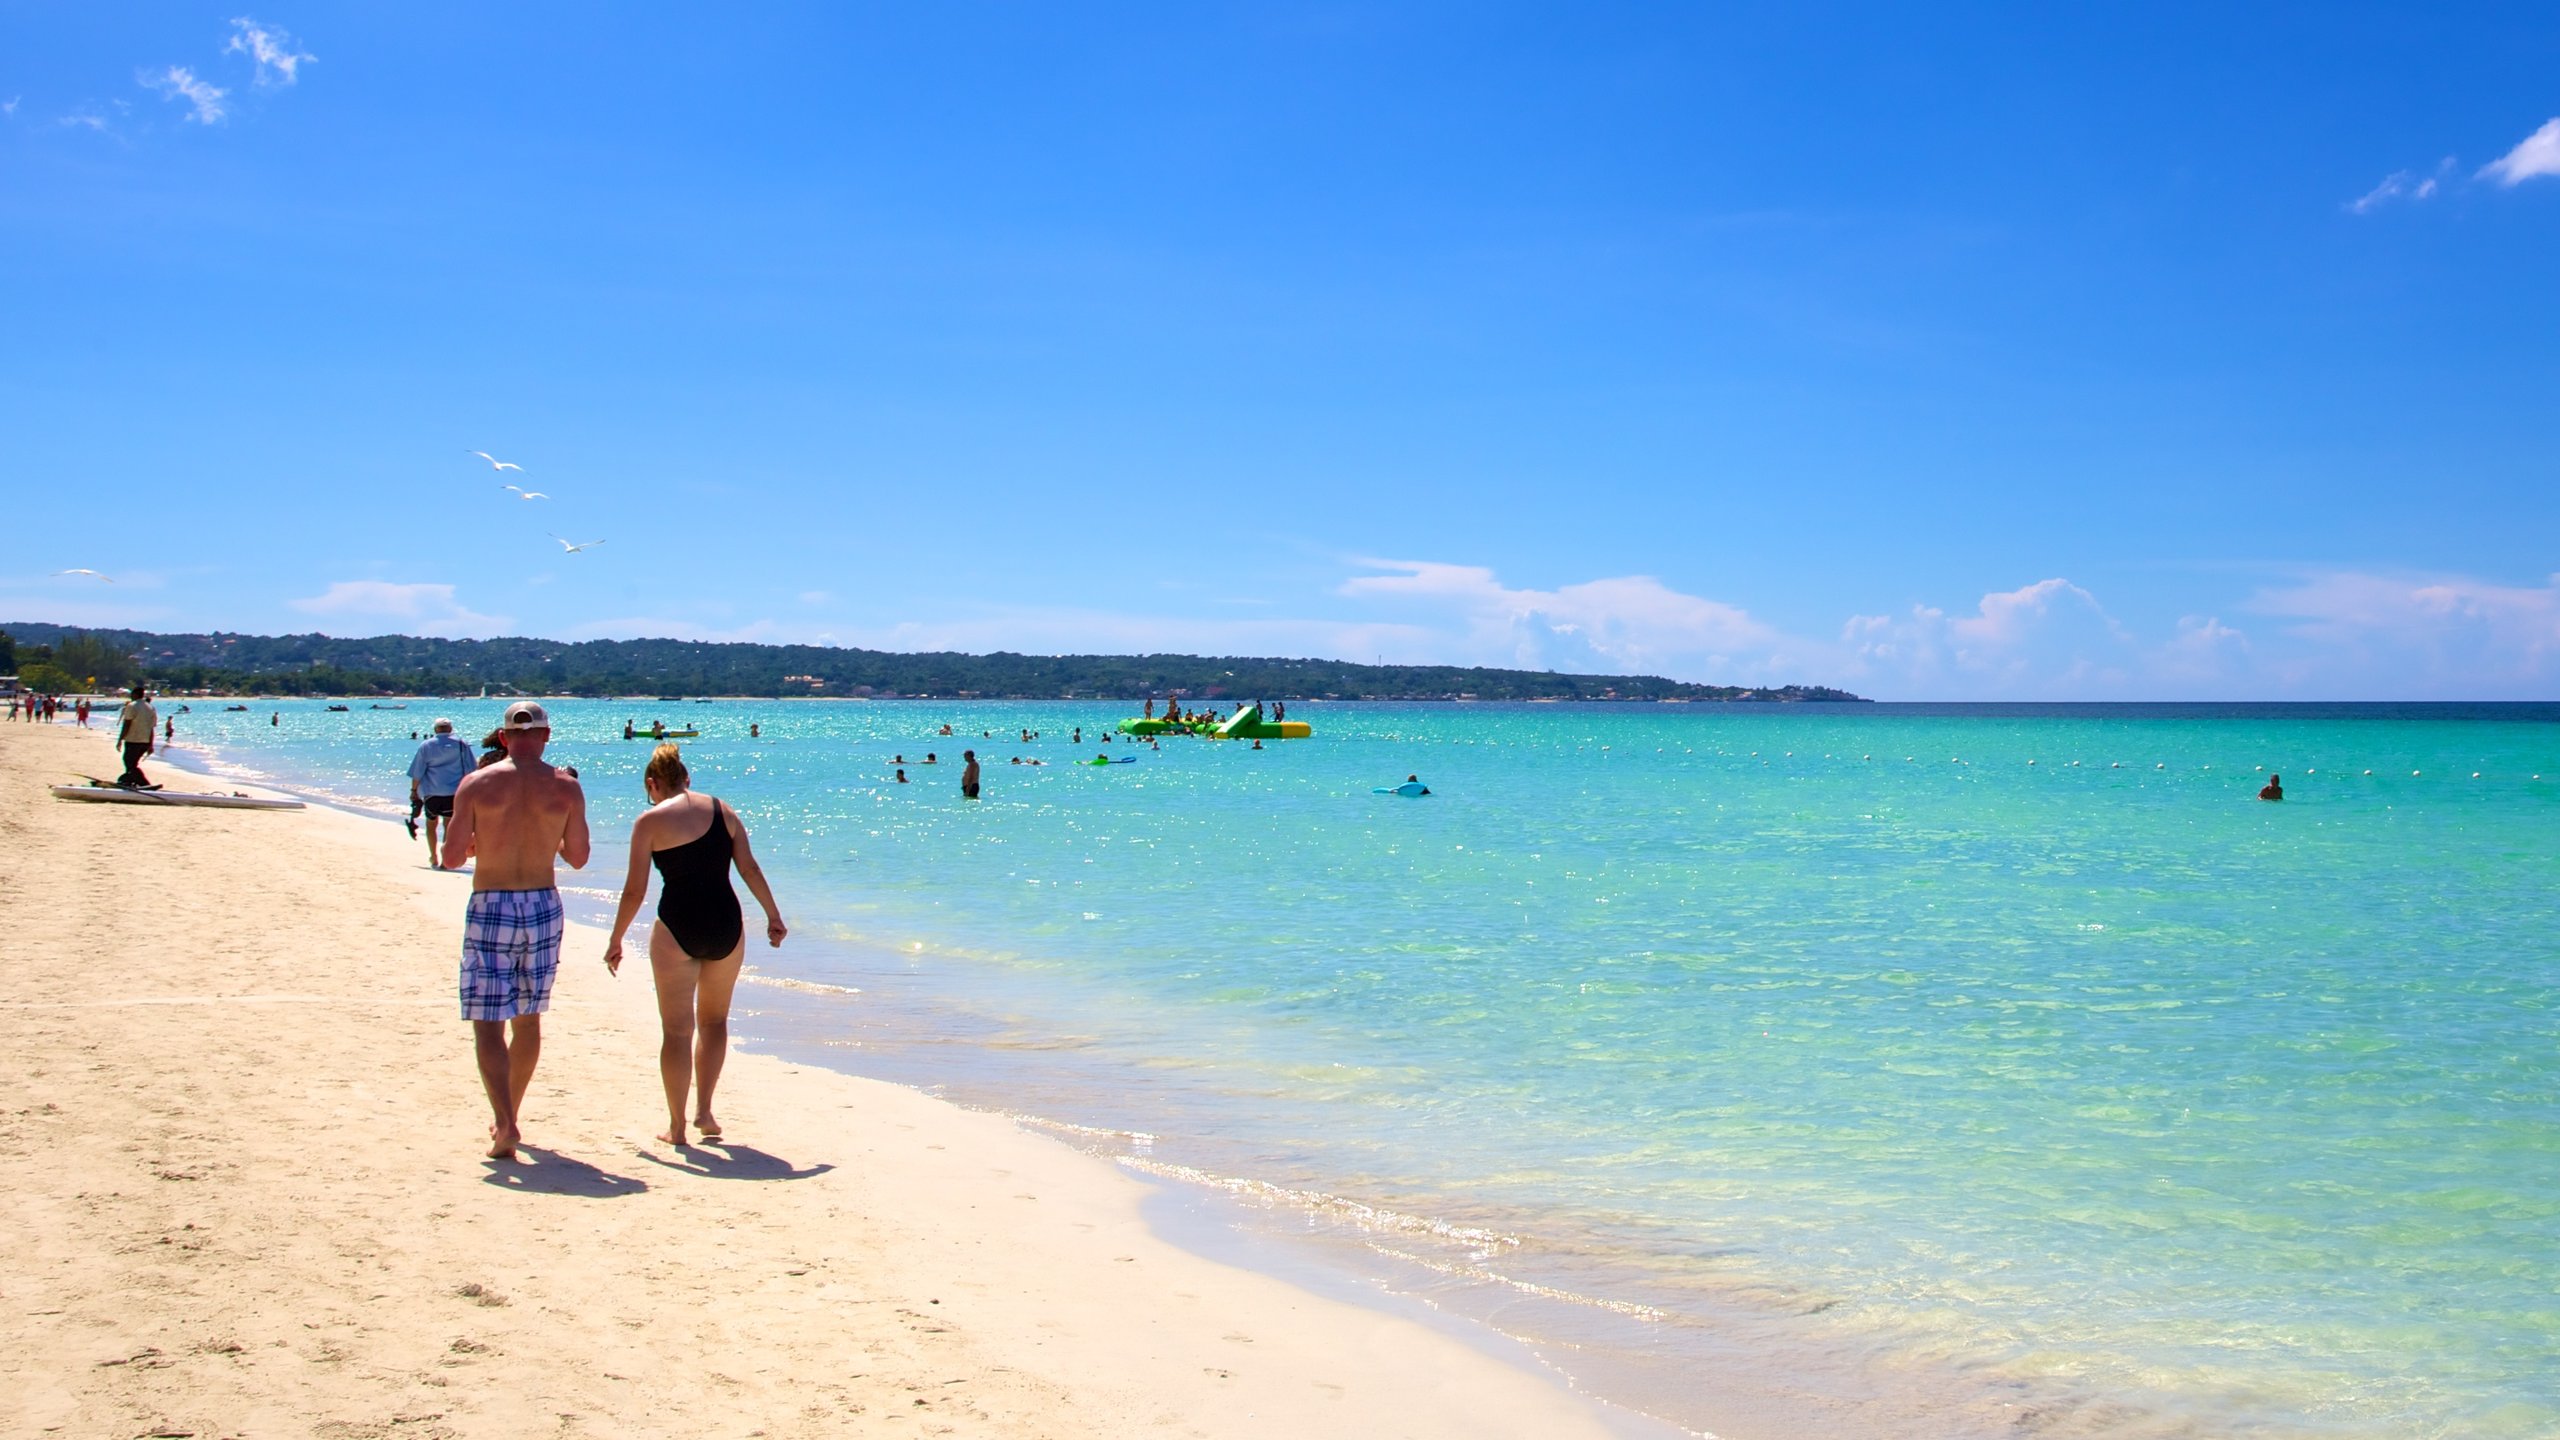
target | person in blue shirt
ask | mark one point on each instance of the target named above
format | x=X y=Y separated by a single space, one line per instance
x=435 y=772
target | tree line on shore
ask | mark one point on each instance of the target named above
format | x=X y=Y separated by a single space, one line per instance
x=64 y=659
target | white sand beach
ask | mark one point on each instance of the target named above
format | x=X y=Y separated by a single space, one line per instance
x=245 y=1196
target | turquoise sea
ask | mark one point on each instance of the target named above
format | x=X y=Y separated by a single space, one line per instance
x=1914 y=1070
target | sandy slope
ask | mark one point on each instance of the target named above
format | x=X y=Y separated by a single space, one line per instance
x=243 y=1195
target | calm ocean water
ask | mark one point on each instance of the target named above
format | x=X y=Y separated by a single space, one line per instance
x=2008 y=1067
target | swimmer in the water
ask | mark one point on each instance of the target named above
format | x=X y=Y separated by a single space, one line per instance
x=902 y=777
x=2274 y=790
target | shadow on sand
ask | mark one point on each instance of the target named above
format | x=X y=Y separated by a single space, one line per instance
x=548 y=1172
x=720 y=1160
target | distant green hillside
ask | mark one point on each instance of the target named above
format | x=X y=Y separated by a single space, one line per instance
x=409 y=664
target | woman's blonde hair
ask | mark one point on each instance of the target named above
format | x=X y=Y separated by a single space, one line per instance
x=666 y=766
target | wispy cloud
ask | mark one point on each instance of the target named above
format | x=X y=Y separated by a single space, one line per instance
x=2402 y=185
x=2537 y=154
x=428 y=608
x=10 y=105
x=85 y=118
x=659 y=627
x=180 y=83
x=2048 y=638
x=2423 y=634
x=1632 y=622
x=274 y=52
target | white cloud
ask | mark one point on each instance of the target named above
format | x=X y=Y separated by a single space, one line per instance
x=1050 y=631
x=83 y=120
x=654 y=627
x=2401 y=185
x=2456 y=636
x=272 y=50
x=1628 y=623
x=10 y=106
x=180 y=83
x=427 y=608
x=2537 y=154
x=2051 y=638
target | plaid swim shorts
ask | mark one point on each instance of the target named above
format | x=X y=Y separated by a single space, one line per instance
x=510 y=953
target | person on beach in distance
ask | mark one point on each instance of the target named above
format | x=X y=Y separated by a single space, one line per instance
x=2274 y=789
x=435 y=772
x=516 y=816
x=699 y=941
x=135 y=732
x=969 y=775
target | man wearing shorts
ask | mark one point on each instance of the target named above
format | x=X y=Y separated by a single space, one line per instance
x=515 y=816
x=435 y=772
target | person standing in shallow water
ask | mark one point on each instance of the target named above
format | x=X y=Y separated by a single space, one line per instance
x=699 y=943
x=2274 y=789
x=969 y=775
x=516 y=817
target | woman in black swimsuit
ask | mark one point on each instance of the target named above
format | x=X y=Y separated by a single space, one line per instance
x=699 y=942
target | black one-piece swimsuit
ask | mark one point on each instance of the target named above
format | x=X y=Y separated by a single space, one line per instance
x=695 y=903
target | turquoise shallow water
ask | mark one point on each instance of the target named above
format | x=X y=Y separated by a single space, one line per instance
x=2085 y=1096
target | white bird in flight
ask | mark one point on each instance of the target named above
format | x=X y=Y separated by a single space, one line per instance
x=524 y=493
x=574 y=549
x=109 y=579
x=494 y=462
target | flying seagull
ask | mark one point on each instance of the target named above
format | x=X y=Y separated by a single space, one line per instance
x=524 y=493
x=568 y=548
x=109 y=579
x=494 y=462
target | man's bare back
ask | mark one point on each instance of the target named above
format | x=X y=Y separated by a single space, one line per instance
x=516 y=816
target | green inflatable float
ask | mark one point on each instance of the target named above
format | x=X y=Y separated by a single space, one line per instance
x=1246 y=724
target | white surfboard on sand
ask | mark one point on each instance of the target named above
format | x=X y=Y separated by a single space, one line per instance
x=121 y=795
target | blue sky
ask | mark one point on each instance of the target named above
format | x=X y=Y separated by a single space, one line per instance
x=2101 y=351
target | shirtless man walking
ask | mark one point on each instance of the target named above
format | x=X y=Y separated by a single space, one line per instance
x=516 y=815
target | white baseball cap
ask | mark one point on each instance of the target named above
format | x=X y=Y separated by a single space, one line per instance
x=526 y=715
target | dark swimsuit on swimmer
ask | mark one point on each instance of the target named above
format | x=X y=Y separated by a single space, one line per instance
x=696 y=904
